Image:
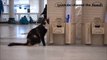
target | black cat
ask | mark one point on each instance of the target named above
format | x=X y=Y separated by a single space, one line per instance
x=35 y=36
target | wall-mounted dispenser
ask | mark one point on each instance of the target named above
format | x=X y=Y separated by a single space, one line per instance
x=58 y=27
x=97 y=26
x=98 y=31
x=57 y=35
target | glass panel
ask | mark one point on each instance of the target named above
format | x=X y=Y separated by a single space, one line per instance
x=21 y=1
x=5 y=17
x=6 y=9
x=78 y=2
x=34 y=16
x=34 y=6
x=5 y=2
x=6 y=6
x=17 y=18
x=21 y=8
x=22 y=15
x=45 y=2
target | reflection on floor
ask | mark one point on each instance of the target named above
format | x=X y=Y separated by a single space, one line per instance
x=17 y=33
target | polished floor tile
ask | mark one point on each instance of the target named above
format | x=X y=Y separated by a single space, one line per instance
x=17 y=33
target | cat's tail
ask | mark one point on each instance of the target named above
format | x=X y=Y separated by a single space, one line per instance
x=17 y=44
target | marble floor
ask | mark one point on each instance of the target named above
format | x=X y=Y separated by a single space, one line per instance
x=17 y=33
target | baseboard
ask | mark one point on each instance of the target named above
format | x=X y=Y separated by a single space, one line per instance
x=3 y=22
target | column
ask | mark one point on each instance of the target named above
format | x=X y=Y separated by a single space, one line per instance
x=105 y=24
x=11 y=12
x=70 y=29
x=73 y=24
x=41 y=6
